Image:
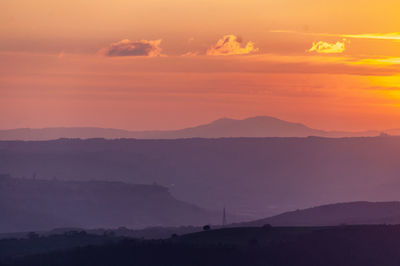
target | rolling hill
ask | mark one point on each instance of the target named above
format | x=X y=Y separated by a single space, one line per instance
x=361 y=212
x=33 y=205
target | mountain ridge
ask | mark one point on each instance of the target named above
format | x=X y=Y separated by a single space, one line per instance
x=257 y=126
x=39 y=204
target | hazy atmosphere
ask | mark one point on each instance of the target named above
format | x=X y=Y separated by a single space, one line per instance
x=199 y=133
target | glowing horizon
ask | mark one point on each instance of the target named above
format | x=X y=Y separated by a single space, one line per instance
x=168 y=65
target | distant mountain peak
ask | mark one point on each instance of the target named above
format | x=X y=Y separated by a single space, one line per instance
x=223 y=120
x=255 y=121
x=269 y=119
x=225 y=127
x=260 y=118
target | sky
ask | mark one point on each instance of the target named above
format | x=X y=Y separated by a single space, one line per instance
x=158 y=64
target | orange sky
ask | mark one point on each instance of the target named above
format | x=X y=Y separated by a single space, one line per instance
x=169 y=64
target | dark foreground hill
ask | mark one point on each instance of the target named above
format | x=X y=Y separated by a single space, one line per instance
x=337 y=214
x=255 y=176
x=319 y=246
x=27 y=205
x=32 y=243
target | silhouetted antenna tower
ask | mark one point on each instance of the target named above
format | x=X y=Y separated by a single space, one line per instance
x=223 y=217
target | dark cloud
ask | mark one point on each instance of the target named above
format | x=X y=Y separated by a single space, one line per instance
x=133 y=48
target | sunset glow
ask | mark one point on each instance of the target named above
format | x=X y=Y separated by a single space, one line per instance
x=171 y=64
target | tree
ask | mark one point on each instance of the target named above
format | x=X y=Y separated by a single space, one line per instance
x=206 y=227
x=267 y=226
x=33 y=235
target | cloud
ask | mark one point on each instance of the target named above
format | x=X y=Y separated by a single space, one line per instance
x=392 y=36
x=328 y=48
x=133 y=48
x=231 y=45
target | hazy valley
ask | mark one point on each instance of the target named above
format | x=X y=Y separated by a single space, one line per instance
x=252 y=177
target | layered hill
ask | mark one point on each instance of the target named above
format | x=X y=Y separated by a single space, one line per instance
x=31 y=205
x=258 y=177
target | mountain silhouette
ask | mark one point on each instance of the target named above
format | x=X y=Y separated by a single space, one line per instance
x=350 y=213
x=260 y=126
x=31 y=205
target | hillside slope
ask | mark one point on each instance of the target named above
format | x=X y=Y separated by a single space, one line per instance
x=361 y=212
x=27 y=205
